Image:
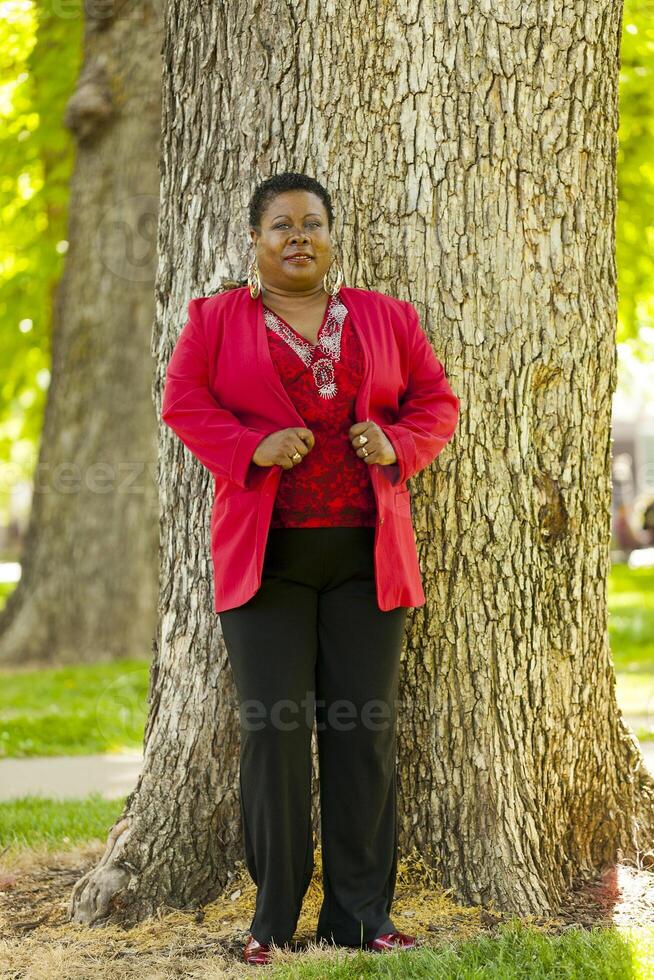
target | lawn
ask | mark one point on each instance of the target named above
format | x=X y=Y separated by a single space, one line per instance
x=459 y=941
x=74 y=710
x=102 y=708
x=631 y=633
x=36 y=821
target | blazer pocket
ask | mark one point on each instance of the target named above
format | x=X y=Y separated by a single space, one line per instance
x=241 y=498
x=403 y=503
x=234 y=524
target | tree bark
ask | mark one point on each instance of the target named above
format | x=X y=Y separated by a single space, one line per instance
x=472 y=165
x=88 y=588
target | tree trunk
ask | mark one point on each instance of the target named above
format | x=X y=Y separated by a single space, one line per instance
x=490 y=204
x=88 y=589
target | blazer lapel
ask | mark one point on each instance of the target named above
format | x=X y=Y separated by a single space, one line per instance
x=360 y=325
x=267 y=369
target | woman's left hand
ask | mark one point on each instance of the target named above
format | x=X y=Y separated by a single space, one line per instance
x=379 y=448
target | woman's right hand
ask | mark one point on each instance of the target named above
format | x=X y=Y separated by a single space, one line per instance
x=278 y=447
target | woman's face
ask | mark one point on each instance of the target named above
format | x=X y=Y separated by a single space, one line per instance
x=295 y=221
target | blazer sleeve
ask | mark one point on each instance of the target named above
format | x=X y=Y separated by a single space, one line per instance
x=429 y=409
x=214 y=435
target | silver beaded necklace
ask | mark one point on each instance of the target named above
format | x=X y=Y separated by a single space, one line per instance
x=329 y=344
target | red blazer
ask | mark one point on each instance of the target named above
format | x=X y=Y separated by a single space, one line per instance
x=222 y=395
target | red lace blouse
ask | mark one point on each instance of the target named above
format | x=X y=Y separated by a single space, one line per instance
x=331 y=486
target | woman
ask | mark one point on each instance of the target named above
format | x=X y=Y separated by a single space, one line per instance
x=312 y=404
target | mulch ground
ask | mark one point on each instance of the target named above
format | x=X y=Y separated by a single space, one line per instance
x=37 y=940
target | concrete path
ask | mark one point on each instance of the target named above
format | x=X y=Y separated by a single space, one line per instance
x=69 y=775
x=58 y=777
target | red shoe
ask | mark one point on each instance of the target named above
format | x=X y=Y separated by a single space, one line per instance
x=389 y=941
x=258 y=954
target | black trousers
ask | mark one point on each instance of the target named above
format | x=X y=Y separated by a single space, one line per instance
x=312 y=642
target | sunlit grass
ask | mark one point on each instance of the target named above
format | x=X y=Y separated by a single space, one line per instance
x=33 y=831
x=74 y=710
x=34 y=820
x=516 y=952
x=102 y=707
x=631 y=635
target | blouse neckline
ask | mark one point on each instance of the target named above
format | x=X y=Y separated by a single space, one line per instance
x=296 y=332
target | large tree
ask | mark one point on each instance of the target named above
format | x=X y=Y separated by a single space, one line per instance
x=88 y=589
x=471 y=157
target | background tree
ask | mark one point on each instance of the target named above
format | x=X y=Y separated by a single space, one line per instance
x=472 y=163
x=89 y=565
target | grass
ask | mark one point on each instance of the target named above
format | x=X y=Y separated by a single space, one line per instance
x=180 y=943
x=102 y=707
x=516 y=952
x=91 y=708
x=55 y=824
x=631 y=633
x=6 y=588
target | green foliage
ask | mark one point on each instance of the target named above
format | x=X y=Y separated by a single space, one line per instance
x=635 y=166
x=42 y=49
x=42 y=53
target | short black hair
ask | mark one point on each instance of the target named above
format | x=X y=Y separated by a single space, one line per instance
x=279 y=184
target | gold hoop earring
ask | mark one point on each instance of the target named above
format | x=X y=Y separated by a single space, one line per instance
x=332 y=290
x=254 y=279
